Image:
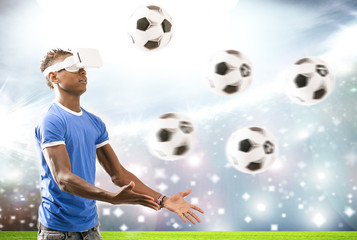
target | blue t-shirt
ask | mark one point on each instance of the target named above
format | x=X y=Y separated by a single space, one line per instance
x=82 y=133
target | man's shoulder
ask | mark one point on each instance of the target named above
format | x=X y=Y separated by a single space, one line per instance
x=51 y=114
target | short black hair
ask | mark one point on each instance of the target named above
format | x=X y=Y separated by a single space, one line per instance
x=50 y=58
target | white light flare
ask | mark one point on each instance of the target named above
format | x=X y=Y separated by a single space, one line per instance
x=342 y=55
x=248 y=219
x=304 y=134
x=349 y=212
x=12 y=126
x=319 y=220
x=194 y=160
x=246 y=196
x=321 y=176
x=131 y=129
x=344 y=42
x=261 y=207
x=274 y=227
x=277 y=165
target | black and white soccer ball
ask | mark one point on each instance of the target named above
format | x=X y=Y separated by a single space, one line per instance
x=150 y=28
x=229 y=72
x=251 y=150
x=309 y=81
x=171 y=136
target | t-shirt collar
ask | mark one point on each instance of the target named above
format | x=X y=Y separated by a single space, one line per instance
x=69 y=110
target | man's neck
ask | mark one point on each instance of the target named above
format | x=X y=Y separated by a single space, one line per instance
x=70 y=102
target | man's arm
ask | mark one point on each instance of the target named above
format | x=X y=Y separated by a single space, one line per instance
x=60 y=166
x=120 y=176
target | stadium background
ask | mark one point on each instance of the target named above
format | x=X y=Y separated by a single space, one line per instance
x=312 y=186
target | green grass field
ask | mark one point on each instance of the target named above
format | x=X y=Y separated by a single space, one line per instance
x=147 y=235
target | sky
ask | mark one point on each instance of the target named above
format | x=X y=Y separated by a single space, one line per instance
x=312 y=186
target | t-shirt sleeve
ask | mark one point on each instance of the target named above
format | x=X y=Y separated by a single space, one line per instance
x=51 y=132
x=103 y=138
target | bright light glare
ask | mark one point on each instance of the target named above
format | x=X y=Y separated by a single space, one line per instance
x=345 y=42
x=321 y=176
x=194 y=161
x=349 y=212
x=13 y=175
x=131 y=129
x=261 y=207
x=343 y=50
x=304 y=134
x=277 y=165
x=319 y=220
x=11 y=127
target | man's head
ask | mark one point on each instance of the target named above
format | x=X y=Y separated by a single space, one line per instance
x=76 y=61
x=62 y=73
x=52 y=57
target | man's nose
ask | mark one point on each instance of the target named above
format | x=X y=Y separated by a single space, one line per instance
x=82 y=71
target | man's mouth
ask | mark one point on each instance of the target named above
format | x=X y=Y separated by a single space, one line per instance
x=83 y=80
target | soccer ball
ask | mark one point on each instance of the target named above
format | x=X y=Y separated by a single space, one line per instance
x=150 y=28
x=309 y=81
x=171 y=136
x=251 y=150
x=229 y=72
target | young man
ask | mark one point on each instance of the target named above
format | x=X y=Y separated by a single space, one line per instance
x=70 y=139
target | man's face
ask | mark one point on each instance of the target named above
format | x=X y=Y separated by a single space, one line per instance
x=71 y=82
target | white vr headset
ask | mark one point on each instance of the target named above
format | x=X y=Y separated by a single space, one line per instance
x=82 y=58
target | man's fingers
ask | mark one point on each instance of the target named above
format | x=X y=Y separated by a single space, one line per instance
x=195 y=216
x=146 y=200
x=182 y=217
x=129 y=196
x=197 y=208
x=190 y=219
x=143 y=196
x=150 y=205
x=190 y=216
x=187 y=215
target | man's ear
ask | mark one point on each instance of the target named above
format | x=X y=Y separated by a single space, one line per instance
x=53 y=77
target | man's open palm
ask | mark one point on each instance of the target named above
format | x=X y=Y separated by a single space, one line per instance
x=181 y=207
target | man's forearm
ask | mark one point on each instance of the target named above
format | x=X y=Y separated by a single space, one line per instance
x=73 y=184
x=140 y=187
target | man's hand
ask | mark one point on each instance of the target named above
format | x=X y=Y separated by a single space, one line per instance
x=178 y=205
x=126 y=195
